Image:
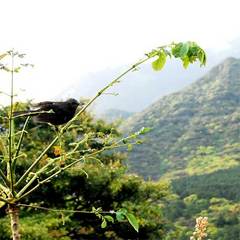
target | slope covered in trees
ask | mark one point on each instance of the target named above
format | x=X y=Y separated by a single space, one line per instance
x=194 y=131
x=61 y=209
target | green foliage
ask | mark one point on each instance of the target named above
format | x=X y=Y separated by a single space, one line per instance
x=221 y=184
x=205 y=116
x=160 y=62
x=39 y=226
x=43 y=161
x=121 y=214
x=188 y=52
x=105 y=189
x=223 y=217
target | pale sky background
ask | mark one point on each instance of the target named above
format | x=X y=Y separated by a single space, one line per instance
x=67 y=39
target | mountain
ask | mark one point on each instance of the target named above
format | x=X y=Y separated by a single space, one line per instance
x=141 y=88
x=194 y=131
x=111 y=115
x=137 y=90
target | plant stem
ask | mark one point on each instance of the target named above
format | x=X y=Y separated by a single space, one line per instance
x=21 y=194
x=13 y=211
x=5 y=180
x=20 y=142
x=36 y=161
x=63 y=210
x=10 y=137
x=65 y=127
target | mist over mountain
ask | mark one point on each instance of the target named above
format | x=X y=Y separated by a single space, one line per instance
x=194 y=131
x=141 y=88
x=112 y=115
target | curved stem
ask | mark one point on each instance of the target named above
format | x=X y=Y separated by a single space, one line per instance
x=65 y=127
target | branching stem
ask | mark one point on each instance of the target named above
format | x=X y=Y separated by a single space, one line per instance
x=65 y=127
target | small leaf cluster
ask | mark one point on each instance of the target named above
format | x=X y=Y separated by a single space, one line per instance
x=188 y=52
x=104 y=218
x=123 y=214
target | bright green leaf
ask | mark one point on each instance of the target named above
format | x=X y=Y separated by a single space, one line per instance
x=104 y=223
x=158 y=64
x=185 y=61
x=183 y=49
x=109 y=218
x=202 y=57
x=133 y=221
x=144 y=130
x=120 y=216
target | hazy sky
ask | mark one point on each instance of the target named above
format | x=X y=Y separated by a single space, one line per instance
x=67 y=39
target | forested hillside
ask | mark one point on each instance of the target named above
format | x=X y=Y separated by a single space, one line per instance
x=194 y=131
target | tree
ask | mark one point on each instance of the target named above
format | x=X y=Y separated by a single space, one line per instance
x=16 y=186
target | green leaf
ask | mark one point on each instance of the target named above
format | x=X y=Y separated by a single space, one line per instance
x=202 y=57
x=176 y=50
x=133 y=221
x=109 y=218
x=120 y=214
x=144 y=130
x=184 y=49
x=185 y=61
x=104 y=223
x=158 y=64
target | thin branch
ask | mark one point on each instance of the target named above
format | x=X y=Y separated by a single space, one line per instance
x=5 y=180
x=4 y=189
x=10 y=137
x=36 y=161
x=36 y=175
x=21 y=194
x=20 y=140
x=66 y=126
x=62 y=210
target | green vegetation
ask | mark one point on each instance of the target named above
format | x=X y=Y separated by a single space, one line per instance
x=195 y=142
x=99 y=182
x=29 y=167
x=222 y=184
x=222 y=214
x=194 y=131
x=194 y=136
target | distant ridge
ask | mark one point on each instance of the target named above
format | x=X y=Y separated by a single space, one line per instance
x=112 y=115
x=194 y=130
